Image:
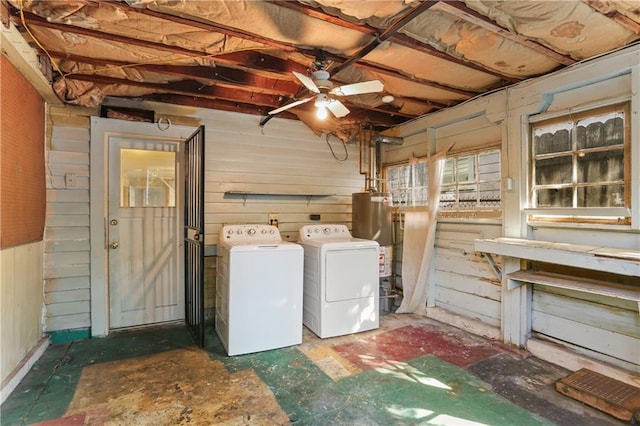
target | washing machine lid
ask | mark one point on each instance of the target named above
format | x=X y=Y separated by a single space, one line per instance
x=331 y=236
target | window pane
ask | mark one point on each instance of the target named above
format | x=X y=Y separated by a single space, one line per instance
x=552 y=138
x=147 y=178
x=603 y=130
x=467 y=169
x=448 y=176
x=553 y=171
x=489 y=194
x=447 y=197
x=489 y=166
x=601 y=196
x=420 y=174
x=561 y=197
x=468 y=196
x=419 y=196
x=604 y=166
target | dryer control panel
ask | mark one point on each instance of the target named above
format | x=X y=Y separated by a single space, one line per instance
x=250 y=233
x=324 y=232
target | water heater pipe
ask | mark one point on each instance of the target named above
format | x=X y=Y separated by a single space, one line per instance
x=374 y=170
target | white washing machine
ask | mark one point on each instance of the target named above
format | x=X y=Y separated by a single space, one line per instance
x=341 y=276
x=258 y=289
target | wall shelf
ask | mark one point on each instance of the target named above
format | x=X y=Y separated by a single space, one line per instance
x=246 y=194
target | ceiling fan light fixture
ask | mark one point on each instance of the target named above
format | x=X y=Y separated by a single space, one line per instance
x=322 y=112
x=321 y=100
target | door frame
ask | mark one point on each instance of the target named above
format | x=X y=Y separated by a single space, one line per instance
x=101 y=130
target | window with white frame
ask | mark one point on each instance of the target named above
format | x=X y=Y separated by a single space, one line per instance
x=407 y=183
x=580 y=164
x=470 y=182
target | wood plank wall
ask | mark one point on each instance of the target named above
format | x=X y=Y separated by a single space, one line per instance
x=464 y=282
x=599 y=327
x=284 y=159
x=66 y=239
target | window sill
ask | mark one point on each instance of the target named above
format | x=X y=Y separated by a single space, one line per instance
x=586 y=212
x=541 y=223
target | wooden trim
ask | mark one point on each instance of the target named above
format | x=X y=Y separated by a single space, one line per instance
x=586 y=285
x=613 y=260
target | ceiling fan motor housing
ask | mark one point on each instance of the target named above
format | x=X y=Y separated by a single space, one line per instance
x=321 y=79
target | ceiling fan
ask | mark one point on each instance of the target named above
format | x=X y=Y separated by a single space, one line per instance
x=324 y=94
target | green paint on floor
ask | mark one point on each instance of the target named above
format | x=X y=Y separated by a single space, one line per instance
x=422 y=390
x=47 y=390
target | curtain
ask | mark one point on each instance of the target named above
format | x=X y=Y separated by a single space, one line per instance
x=418 y=243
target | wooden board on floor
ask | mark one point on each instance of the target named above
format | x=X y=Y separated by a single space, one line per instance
x=612 y=396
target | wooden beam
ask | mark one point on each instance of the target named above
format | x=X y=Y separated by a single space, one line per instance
x=243 y=59
x=397 y=38
x=607 y=10
x=388 y=32
x=187 y=88
x=219 y=104
x=230 y=77
x=460 y=9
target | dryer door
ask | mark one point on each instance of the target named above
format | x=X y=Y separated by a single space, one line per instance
x=351 y=274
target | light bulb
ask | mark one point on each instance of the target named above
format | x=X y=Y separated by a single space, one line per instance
x=322 y=112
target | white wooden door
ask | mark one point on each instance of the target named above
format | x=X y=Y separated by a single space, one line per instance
x=145 y=280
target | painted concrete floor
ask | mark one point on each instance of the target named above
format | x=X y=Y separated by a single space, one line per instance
x=410 y=371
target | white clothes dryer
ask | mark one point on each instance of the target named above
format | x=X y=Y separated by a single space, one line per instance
x=341 y=281
x=258 y=289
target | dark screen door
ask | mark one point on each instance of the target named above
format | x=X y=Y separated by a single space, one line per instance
x=194 y=235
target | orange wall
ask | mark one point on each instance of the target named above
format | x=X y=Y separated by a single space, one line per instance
x=22 y=166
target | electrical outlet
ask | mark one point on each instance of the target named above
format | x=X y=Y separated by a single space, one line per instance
x=70 y=180
x=273 y=219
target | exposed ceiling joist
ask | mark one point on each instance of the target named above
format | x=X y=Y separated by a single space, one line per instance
x=460 y=9
x=243 y=59
x=396 y=37
x=607 y=10
x=240 y=55
x=188 y=88
x=247 y=59
x=231 y=77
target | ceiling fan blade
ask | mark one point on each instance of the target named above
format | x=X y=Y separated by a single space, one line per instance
x=291 y=105
x=337 y=108
x=308 y=83
x=371 y=86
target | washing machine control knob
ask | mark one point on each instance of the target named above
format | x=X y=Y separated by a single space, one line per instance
x=251 y=231
x=326 y=231
x=264 y=231
x=271 y=231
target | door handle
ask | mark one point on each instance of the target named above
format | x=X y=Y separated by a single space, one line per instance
x=114 y=245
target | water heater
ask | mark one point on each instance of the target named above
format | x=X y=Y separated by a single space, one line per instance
x=372 y=219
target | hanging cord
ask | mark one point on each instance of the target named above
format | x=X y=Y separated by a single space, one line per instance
x=35 y=40
x=344 y=145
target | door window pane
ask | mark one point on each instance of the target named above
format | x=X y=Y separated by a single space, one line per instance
x=147 y=178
